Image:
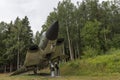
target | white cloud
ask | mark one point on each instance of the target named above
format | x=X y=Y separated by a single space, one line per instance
x=36 y=10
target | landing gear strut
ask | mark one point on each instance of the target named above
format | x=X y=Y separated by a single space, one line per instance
x=35 y=70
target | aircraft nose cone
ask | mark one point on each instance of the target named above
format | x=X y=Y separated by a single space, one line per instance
x=52 y=32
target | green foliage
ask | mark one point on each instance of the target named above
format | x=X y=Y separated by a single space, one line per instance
x=90 y=52
x=99 y=65
x=89 y=23
x=116 y=41
x=16 y=37
x=90 y=34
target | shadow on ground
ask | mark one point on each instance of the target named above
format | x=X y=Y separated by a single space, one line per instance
x=40 y=74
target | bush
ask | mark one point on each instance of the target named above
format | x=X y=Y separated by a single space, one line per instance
x=90 y=52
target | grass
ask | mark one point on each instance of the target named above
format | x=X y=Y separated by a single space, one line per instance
x=100 y=65
x=38 y=77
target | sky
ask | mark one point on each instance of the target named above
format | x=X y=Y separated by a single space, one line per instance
x=36 y=10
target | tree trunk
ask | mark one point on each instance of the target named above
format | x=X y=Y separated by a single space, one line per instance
x=18 y=60
x=11 y=67
x=63 y=51
x=69 y=44
x=18 y=55
x=5 y=68
x=78 y=42
x=78 y=52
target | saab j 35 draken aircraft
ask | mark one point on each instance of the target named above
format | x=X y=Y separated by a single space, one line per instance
x=48 y=50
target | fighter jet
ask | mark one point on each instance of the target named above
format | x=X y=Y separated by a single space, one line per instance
x=48 y=50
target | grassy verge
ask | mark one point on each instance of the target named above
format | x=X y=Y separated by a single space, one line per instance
x=100 y=65
x=38 y=77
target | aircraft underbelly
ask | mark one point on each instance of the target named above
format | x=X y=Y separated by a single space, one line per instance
x=32 y=58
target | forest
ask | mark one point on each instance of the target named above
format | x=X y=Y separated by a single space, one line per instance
x=89 y=28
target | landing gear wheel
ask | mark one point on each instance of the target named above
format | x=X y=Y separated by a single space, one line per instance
x=35 y=70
